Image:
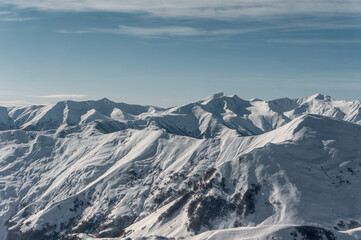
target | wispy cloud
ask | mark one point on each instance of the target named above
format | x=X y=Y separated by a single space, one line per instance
x=4 y=13
x=316 y=41
x=12 y=103
x=161 y=31
x=304 y=25
x=17 y=19
x=216 y=9
x=66 y=31
x=156 y=31
x=66 y=96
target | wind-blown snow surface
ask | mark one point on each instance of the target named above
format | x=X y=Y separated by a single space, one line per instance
x=220 y=168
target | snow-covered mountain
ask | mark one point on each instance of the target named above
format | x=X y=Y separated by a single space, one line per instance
x=219 y=168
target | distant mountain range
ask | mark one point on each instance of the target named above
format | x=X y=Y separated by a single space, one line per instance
x=220 y=168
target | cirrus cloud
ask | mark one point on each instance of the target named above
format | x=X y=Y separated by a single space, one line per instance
x=12 y=103
x=17 y=19
x=64 y=96
x=317 y=41
x=161 y=31
x=215 y=9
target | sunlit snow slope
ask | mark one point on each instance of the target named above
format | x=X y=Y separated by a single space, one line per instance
x=220 y=168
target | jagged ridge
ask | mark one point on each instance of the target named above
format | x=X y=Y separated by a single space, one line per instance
x=146 y=174
x=209 y=117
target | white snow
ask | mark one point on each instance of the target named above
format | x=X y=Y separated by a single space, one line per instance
x=248 y=169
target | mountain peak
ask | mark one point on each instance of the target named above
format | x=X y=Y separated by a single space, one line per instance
x=105 y=100
x=219 y=95
x=215 y=96
x=203 y=168
x=255 y=100
x=319 y=96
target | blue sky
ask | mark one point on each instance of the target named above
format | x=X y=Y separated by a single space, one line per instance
x=165 y=52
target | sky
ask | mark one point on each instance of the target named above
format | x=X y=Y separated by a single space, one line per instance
x=168 y=52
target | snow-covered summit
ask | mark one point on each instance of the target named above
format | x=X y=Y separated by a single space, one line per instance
x=219 y=168
x=210 y=117
x=319 y=96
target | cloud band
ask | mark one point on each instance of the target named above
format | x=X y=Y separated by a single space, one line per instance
x=64 y=96
x=215 y=9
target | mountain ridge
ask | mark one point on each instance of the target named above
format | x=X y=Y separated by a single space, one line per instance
x=205 y=118
x=198 y=171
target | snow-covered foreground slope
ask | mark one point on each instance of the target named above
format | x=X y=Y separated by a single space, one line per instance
x=220 y=168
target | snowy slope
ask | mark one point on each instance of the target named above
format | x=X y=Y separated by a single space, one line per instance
x=219 y=168
x=206 y=118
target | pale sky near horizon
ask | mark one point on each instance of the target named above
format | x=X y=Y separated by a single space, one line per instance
x=166 y=52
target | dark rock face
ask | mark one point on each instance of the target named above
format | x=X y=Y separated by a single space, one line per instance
x=313 y=233
x=116 y=227
x=209 y=172
x=175 y=207
x=48 y=233
x=202 y=211
x=342 y=225
x=88 y=226
x=245 y=204
x=69 y=237
x=109 y=126
x=249 y=199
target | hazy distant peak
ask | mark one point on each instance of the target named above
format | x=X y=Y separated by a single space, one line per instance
x=319 y=96
x=255 y=100
x=213 y=97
